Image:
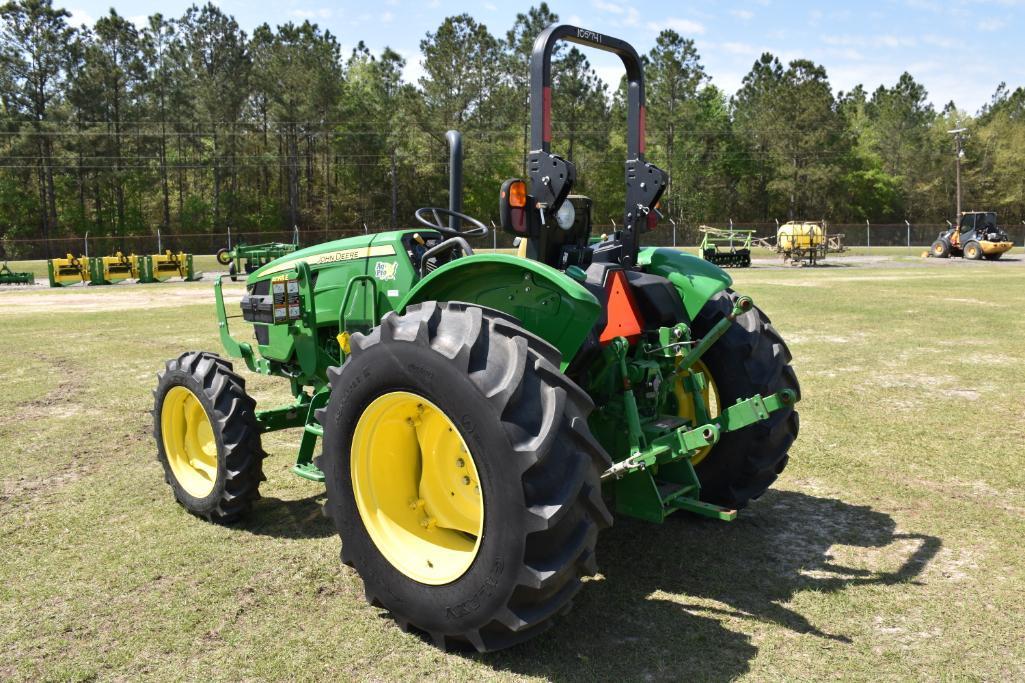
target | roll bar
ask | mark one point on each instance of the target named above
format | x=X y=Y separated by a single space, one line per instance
x=541 y=84
x=552 y=177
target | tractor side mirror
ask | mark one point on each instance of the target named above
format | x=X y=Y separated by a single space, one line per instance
x=512 y=207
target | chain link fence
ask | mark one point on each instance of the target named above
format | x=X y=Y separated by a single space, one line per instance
x=682 y=234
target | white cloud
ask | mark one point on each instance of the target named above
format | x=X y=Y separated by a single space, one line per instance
x=490 y=6
x=742 y=14
x=684 y=26
x=322 y=13
x=414 y=68
x=740 y=49
x=938 y=41
x=884 y=40
x=80 y=16
x=610 y=7
x=387 y=17
x=611 y=75
x=991 y=24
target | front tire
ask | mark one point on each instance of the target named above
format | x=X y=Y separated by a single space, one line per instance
x=208 y=441
x=223 y=256
x=973 y=251
x=940 y=249
x=751 y=358
x=524 y=426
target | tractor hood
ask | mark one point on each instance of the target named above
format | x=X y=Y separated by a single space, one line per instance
x=326 y=254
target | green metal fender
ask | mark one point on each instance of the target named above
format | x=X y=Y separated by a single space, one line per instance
x=695 y=279
x=547 y=302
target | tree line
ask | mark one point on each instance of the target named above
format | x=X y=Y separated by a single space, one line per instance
x=191 y=125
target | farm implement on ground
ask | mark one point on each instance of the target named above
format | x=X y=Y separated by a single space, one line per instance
x=67 y=271
x=10 y=277
x=482 y=416
x=162 y=267
x=109 y=270
x=248 y=258
x=726 y=247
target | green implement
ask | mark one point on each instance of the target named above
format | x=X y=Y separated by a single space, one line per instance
x=10 y=277
x=726 y=247
x=248 y=258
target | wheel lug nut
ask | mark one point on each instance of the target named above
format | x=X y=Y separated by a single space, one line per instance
x=460 y=462
x=466 y=480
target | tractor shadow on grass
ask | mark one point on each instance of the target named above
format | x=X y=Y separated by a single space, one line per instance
x=294 y=519
x=662 y=610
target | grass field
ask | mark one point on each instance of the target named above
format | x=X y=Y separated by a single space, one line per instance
x=891 y=548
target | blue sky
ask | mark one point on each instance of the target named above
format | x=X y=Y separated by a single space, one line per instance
x=960 y=50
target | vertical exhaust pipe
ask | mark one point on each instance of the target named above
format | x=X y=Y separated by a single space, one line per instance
x=455 y=176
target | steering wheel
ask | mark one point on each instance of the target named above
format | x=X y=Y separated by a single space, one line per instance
x=478 y=229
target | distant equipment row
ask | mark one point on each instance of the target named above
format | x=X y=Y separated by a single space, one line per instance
x=108 y=270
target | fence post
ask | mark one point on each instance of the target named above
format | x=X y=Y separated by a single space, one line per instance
x=160 y=246
x=907 y=223
x=86 y=240
x=868 y=234
x=229 y=238
x=494 y=237
x=674 y=231
x=295 y=234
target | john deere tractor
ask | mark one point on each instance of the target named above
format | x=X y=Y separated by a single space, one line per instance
x=976 y=236
x=482 y=417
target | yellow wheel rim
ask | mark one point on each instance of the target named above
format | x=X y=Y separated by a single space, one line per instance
x=189 y=441
x=416 y=488
x=685 y=403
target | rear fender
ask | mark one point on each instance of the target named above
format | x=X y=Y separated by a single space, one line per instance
x=546 y=301
x=695 y=279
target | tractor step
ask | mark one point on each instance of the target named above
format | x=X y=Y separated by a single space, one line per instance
x=702 y=508
x=308 y=471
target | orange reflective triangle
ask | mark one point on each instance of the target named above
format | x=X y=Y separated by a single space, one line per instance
x=624 y=320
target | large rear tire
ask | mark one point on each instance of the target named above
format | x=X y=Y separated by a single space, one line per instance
x=208 y=441
x=523 y=425
x=751 y=358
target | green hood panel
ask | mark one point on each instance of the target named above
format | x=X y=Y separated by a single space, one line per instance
x=695 y=279
x=337 y=251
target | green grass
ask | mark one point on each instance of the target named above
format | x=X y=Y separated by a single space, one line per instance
x=890 y=548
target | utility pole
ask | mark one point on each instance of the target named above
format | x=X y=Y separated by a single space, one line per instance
x=958 y=134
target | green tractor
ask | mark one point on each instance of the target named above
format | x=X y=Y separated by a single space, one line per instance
x=482 y=416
